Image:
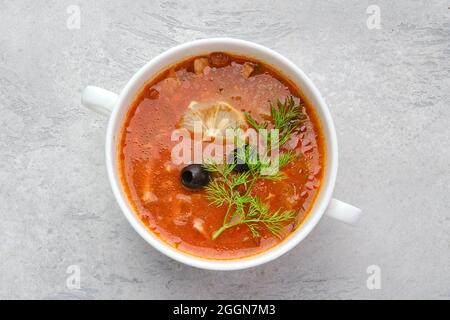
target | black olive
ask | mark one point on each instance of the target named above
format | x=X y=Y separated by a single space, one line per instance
x=194 y=176
x=240 y=157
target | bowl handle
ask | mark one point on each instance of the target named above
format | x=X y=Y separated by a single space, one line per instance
x=343 y=211
x=98 y=99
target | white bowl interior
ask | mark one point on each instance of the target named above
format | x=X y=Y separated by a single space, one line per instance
x=243 y=48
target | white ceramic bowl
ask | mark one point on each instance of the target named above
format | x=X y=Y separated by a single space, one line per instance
x=117 y=106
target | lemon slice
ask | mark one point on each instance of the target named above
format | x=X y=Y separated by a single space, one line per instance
x=212 y=119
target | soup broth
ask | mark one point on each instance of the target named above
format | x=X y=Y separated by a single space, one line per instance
x=185 y=218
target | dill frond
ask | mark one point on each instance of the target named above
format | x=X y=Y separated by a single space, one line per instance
x=234 y=189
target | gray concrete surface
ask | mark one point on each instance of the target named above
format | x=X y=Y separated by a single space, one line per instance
x=388 y=90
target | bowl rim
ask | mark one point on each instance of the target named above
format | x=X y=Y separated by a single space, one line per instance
x=307 y=87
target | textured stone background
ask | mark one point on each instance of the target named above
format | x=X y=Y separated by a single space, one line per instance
x=389 y=93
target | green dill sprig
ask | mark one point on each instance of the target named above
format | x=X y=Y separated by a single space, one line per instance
x=233 y=190
x=287 y=116
x=256 y=215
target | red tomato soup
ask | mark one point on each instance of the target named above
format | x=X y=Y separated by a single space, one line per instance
x=253 y=219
